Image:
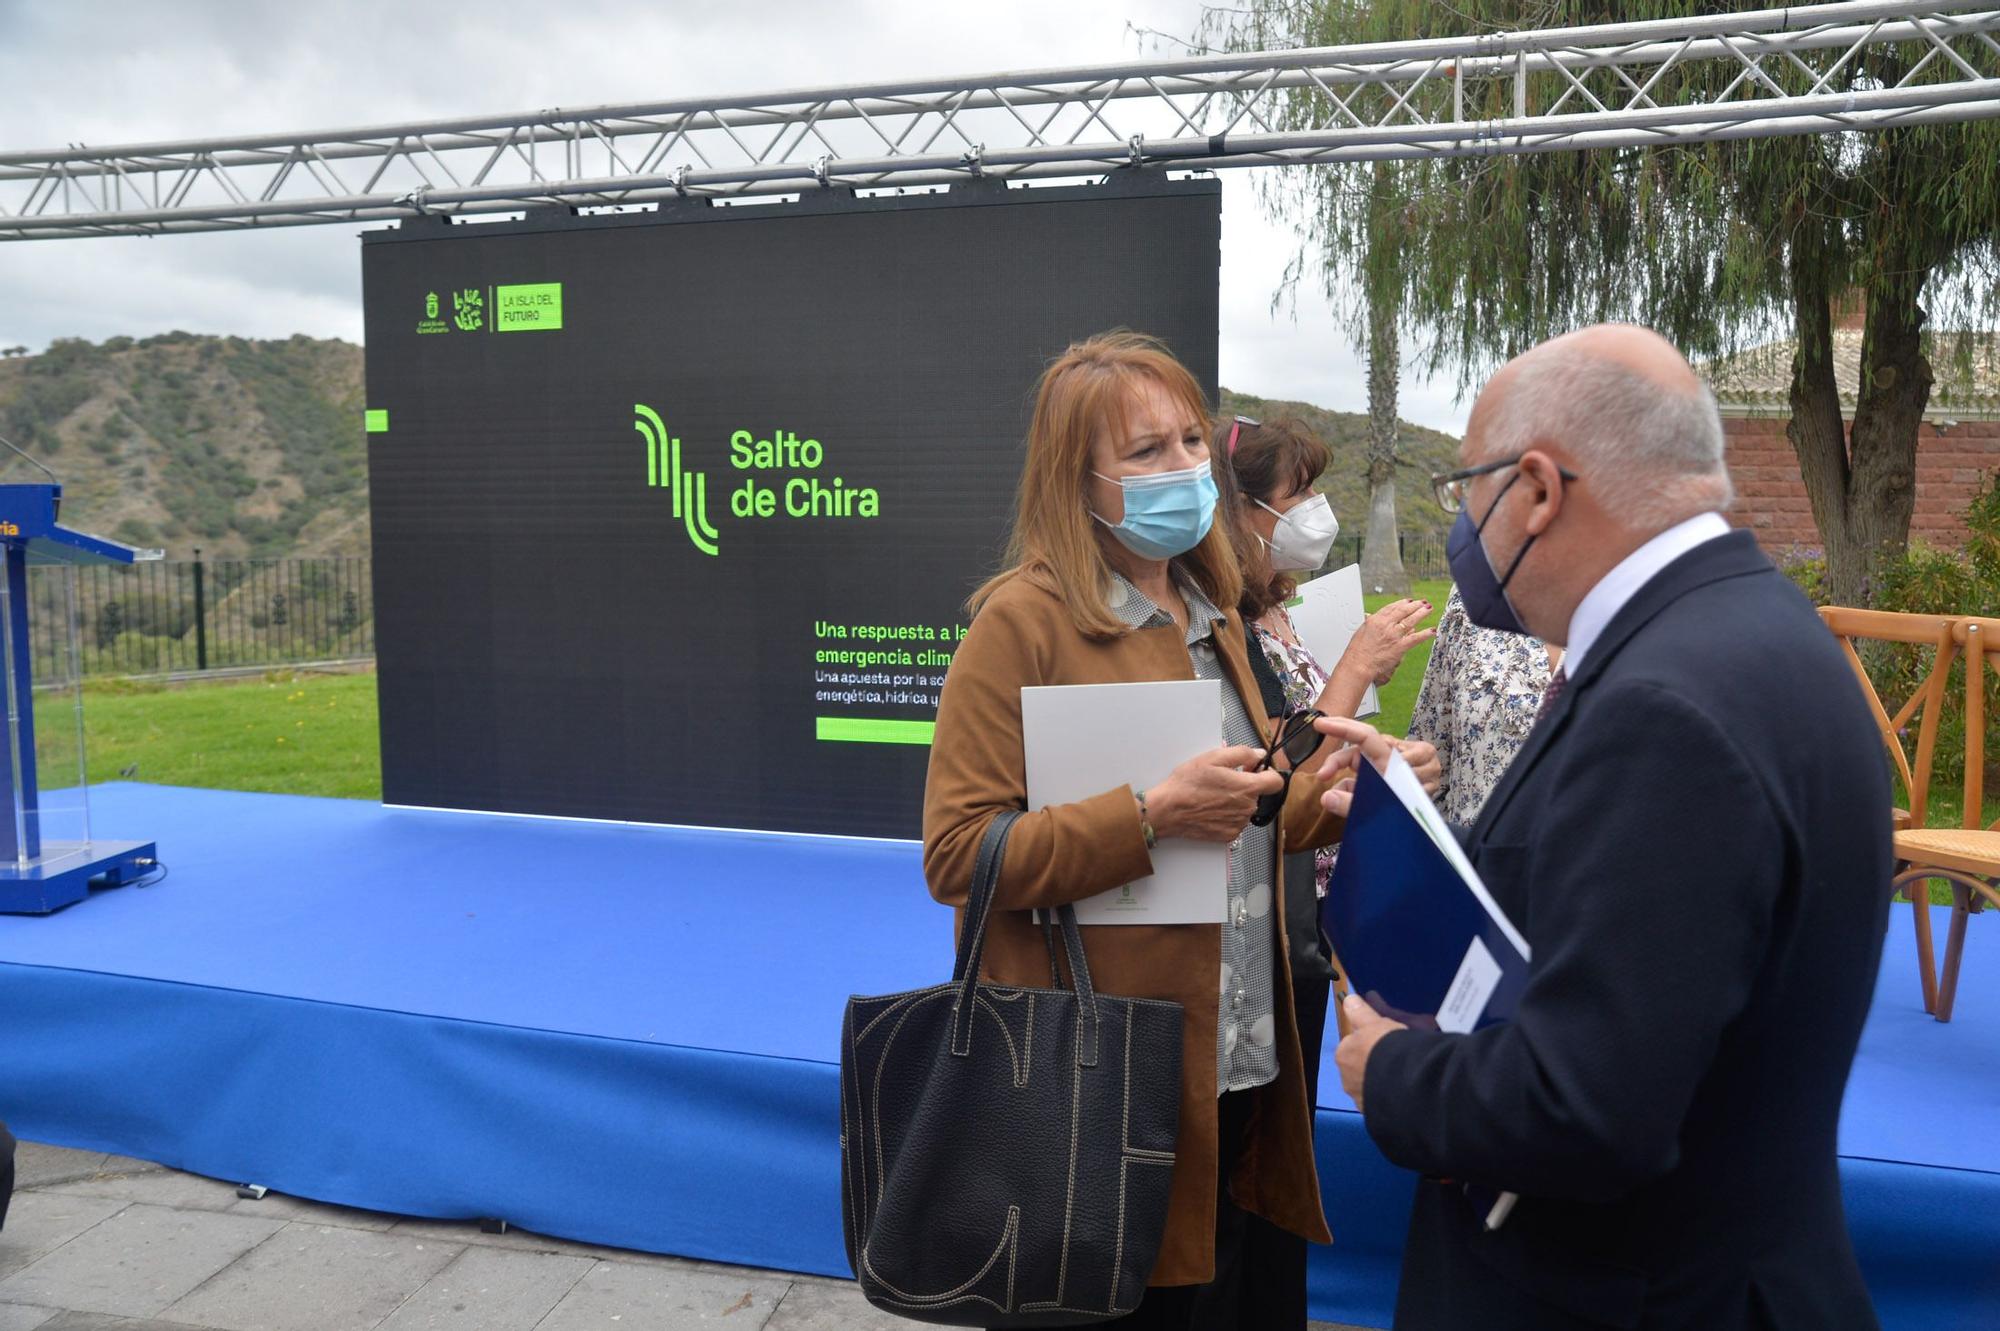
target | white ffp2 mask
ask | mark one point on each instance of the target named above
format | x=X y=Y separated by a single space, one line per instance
x=1303 y=536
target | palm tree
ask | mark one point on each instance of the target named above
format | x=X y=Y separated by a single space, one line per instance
x=1381 y=547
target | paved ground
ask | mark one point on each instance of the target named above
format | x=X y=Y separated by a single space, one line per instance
x=103 y=1243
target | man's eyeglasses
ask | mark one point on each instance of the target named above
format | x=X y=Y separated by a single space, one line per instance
x=1297 y=740
x=1449 y=487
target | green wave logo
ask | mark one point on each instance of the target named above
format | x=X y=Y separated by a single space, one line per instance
x=663 y=468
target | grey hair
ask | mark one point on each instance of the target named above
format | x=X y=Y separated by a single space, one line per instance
x=1652 y=453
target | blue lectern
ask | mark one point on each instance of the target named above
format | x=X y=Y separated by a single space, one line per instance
x=47 y=856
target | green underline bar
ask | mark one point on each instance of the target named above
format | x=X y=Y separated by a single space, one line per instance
x=867 y=730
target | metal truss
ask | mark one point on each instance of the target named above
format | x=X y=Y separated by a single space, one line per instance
x=1744 y=75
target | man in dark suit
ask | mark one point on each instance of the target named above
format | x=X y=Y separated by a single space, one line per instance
x=1695 y=841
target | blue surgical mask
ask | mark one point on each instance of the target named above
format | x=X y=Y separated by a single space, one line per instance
x=1167 y=513
x=1483 y=592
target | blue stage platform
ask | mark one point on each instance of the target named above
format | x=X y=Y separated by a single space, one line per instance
x=628 y=1035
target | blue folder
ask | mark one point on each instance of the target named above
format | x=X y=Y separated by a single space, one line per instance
x=1403 y=919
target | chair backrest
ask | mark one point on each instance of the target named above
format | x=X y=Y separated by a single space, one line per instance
x=1938 y=632
x=1979 y=640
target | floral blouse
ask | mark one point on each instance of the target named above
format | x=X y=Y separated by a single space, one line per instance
x=1303 y=680
x=1480 y=694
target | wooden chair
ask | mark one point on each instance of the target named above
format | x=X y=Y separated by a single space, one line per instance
x=1967 y=856
x=1912 y=768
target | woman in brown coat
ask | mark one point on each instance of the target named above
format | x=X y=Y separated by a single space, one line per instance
x=1118 y=573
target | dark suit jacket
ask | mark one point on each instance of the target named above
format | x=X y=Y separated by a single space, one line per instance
x=1696 y=843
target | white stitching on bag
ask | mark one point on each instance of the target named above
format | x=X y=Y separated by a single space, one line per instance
x=1013 y=1054
x=1009 y=1243
x=1129 y=1156
x=977 y=951
x=1028 y=1046
x=1021 y=1061
x=881 y=1059
x=856 y=1156
x=901 y=999
x=1125 y=1134
x=1069 y=1200
x=1124 y=1165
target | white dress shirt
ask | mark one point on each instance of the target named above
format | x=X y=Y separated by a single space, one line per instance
x=1603 y=602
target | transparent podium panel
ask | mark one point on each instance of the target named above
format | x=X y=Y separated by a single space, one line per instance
x=49 y=857
x=49 y=813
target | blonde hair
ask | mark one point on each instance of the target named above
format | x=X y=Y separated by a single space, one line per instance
x=1088 y=390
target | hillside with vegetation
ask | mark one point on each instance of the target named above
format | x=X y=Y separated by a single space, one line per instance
x=255 y=449
x=242 y=448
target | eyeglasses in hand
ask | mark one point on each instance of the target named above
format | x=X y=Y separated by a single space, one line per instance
x=1297 y=740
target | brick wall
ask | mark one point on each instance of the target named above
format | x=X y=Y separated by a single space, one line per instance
x=1771 y=497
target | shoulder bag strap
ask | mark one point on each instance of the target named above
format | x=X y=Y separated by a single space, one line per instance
x=972 y=932
x=972 y=946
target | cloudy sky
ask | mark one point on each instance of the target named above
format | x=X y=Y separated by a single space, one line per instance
x=122 y=71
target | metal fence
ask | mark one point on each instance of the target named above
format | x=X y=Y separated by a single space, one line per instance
x=214 y=614
x=186 y=616
x=1423 y=554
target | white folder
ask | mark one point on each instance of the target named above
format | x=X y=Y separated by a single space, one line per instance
x=1328 y=614
x=1084 y=739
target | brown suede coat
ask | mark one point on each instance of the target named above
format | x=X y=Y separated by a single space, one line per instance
x=1024 y=636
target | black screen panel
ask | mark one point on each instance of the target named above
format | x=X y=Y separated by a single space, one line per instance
x=580 y=607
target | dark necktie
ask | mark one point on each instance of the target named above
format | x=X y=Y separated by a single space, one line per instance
x=1557 y=683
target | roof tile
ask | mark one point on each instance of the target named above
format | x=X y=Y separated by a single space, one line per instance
x=1758 y=381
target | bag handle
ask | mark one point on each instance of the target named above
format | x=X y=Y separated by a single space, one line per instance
x=979 y=899
x=972 y=946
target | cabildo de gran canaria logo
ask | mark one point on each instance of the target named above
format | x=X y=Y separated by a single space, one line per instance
x=521 y=307
x=803 y=494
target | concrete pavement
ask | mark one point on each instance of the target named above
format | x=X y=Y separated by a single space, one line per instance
x=105 y=1243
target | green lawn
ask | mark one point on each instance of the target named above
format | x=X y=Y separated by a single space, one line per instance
x=312 y=734
x=1399 y=695
x=307 y=734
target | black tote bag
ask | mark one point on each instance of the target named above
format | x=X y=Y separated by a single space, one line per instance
x=1005 y=1153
